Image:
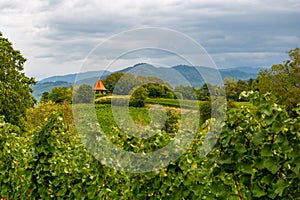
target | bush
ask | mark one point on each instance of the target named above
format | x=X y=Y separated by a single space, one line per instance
x=138 y=97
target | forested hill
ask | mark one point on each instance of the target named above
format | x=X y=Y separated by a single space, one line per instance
x=188 y=72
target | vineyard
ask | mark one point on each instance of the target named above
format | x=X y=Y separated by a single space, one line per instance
x=151 y=100
x=255 y=157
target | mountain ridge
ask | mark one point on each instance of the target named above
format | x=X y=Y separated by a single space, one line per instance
x=176 y=75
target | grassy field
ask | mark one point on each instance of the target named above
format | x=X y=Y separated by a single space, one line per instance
x=132 y=124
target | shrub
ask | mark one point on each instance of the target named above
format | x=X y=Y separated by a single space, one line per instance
x=138 y=97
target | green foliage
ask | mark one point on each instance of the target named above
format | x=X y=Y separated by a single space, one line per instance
x=37 y=115
x=231 y=89
x=168 y=102
x=45 y=97
x=138 y=97
x=121 y=83
x=103 y=100
x=54 y=160
x=187 y=92
x=15 y=91
x=99 y=95
x=203 y=93
x=234 y=88
x=256 y=157
x=111 y=80
x=14 y=156
x=124 y=84
x=205 y=111
x=40 y=87
x=283 y=80
x=172 y=122
x=159 y=91
x=83 y=94
x=58 y=95
x=257 y=154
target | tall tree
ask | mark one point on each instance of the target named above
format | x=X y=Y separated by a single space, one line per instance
x=60 y=95
x=83 y=94
x=187 y=92
x=138 y=97
x=231 y=89
x=203 y=93
x=111 y=80
x=15 y=92
x=282 y=80
x=45 y=97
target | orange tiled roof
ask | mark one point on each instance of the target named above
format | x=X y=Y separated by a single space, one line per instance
x=99 y=86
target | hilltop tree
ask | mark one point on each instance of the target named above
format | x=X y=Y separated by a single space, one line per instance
x=111 y=80
x=45 y=97
x=83 y=94
x=138 y=97
x=187 y=92
x=122 y=83
x=15 y=92
x=159 y=91
x=231 y=89
x=61 y=95
x=58 y=95
x=203 y=93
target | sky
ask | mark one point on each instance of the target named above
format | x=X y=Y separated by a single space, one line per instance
x=58 y=36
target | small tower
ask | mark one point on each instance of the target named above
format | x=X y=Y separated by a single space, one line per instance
x=100 y=88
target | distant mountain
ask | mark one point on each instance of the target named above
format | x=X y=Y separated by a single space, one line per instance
x=197 y=76
x=250 y=70
x=90 y=81
x=240 y=73
x=175 y=75
x=70 y=78
x=169 y=75
x=190 y=75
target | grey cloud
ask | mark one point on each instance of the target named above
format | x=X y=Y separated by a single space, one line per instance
x=45 y=55
x=252 y=33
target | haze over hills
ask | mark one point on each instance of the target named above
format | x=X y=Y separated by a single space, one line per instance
x=70 y=78
x=176 y=75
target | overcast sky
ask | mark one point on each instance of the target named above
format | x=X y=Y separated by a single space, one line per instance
x=57 y=35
